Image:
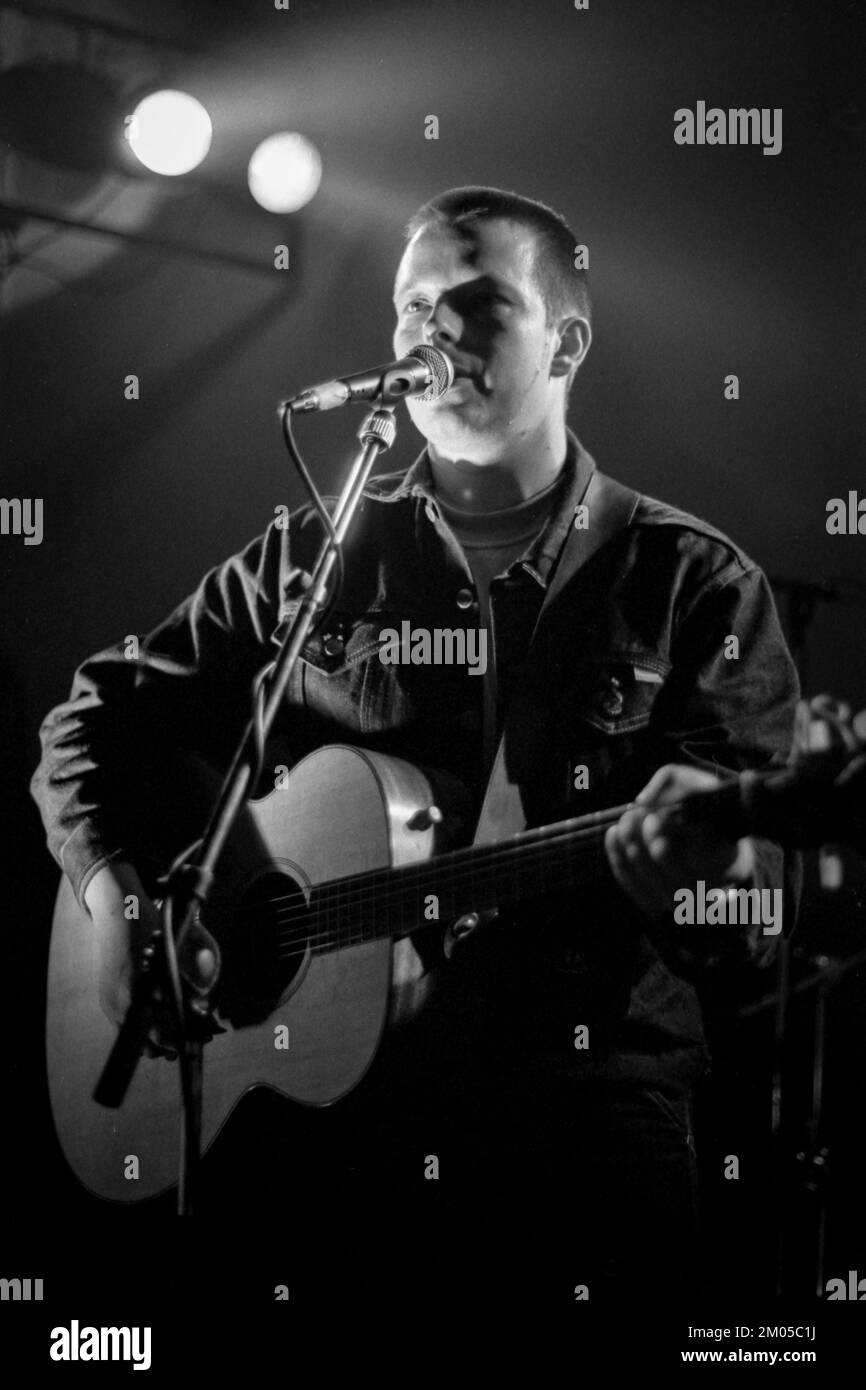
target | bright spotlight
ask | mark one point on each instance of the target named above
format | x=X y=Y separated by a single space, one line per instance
x=170 y=132
x=284 y=172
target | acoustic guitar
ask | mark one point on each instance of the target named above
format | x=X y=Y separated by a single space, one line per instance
x=318 y=894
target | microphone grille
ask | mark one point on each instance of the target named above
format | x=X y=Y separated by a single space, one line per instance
x=441 y=370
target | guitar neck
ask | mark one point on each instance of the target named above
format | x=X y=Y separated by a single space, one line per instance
x=395 y=902
x=781 y=803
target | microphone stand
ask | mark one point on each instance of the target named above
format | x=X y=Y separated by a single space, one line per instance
x=188 y=884
x=812 y=1158
x=802 y=598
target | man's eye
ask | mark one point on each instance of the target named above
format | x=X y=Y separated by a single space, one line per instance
x=413 y=305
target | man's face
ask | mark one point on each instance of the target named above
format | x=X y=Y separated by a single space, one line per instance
x=478 y=301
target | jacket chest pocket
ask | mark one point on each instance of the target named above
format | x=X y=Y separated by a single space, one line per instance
x=618 y=695
x=608 y=723
x=340 y=675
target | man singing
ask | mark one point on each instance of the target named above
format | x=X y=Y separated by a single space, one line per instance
x=560 y=1049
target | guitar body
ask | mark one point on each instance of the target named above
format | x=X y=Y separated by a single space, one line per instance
x=308 y=1027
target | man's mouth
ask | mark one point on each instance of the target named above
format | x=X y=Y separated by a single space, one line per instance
x=464 y=374
x=475 y=379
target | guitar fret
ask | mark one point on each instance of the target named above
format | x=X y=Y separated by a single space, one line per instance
x=389 y=902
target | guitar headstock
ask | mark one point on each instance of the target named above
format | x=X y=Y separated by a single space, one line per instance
x=831 y=742
x=818 y=799
x=827 y=725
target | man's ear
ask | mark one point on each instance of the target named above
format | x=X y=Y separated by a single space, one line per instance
x=571 y=344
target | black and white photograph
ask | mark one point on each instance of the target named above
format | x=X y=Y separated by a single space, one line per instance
x=433 y=647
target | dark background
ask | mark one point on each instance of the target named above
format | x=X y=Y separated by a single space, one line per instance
x=703 y=262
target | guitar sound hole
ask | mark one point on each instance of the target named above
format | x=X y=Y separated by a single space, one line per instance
x=267 y=948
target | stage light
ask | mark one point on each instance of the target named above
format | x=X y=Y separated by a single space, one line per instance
x=169 y=132
x=284 y=172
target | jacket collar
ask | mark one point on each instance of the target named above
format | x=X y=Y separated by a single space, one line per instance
x=417 y=483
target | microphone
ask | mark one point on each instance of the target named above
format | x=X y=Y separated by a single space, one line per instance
x=426 y=372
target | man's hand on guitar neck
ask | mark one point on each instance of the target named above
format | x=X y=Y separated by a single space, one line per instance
x=121 y=944
x=654 y=852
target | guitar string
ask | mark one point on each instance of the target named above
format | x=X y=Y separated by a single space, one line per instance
x=526 y=848
x=505 y=848
x=365 y=925
x=379 y=887
x=475 y=857
x=459 y=865
x=514 y=848
x=332 y=902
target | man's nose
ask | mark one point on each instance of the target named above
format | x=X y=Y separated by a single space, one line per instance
x=443 y=326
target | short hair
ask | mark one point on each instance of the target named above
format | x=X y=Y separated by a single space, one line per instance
x=563 y=287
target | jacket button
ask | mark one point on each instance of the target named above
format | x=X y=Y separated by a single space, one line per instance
x=465 y=598
x=613 y=701
x=334 y=646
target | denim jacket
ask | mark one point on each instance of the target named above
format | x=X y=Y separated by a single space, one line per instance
x=627 y=672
